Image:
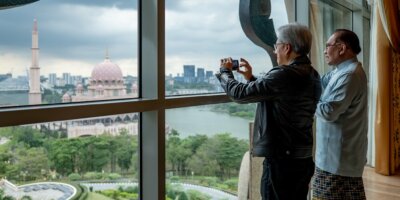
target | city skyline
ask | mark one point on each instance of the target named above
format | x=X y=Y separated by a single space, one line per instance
x=74 y=36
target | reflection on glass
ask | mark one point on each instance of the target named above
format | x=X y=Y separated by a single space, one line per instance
x=204 y=149
x=198 y=34
x=56 y=160
x=327 y=17
x=69 y=51
x=366 y=45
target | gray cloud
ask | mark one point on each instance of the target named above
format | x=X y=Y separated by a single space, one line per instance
x=121 y=4
x=72 y=29
x=197 y=31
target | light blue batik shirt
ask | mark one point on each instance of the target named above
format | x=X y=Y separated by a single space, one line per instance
x=342 y=120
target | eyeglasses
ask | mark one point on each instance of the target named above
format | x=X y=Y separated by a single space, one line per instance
x=331 y=45
x=278 y=43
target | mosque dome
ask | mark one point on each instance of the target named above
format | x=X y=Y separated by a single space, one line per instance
x=79 y=87
x=107 y=71
x=66 y=98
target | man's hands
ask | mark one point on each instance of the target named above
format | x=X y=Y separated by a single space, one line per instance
x=226 y=63
x=244 y=67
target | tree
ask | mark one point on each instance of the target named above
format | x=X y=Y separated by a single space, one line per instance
x=51 y=97
x=26 y=198
x=172 y=154
x=202 y=164
x=228 y=152
x=220 y=155
x=101 y=154
x=5 y=159
x=33 y=162
x=124 y=155
x=95 y=153
x=113 y=147
x=194 y=142
x=29 y=136
x=4 y=197
x=64 y=155
x=183 y=196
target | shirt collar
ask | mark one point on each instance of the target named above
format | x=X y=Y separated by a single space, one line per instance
x=346 y=63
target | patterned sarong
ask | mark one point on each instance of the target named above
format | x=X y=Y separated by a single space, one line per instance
x=327 y=186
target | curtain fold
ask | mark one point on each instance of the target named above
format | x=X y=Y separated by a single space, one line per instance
x=396 y=111
x=389 y=13
x=382 y=117
x=387 y=124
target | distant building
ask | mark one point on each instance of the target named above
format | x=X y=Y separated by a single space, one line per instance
x=106 y=82
x=5 y=76
x=209 y=74
x=188 y=73
x=14 y=91
x=67 y=78
x=52 y=78
x=200 y=75
x=112 y=125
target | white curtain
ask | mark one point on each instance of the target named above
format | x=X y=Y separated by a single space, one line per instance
x=372 y=88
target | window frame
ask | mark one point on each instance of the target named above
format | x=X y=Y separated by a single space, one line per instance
x=151 y=103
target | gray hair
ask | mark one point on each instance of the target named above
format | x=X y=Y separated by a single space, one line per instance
x=297 y=35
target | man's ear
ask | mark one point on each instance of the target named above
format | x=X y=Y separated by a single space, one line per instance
x=342 y=49
x=288 y=49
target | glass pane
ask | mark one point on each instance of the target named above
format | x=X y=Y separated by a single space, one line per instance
x=333 y=16
x=56 y=160
x=199 y=33
x=205 y=146
x=366 y=45
x=68 y=51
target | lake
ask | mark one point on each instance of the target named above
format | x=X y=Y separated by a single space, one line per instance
x=201 y=120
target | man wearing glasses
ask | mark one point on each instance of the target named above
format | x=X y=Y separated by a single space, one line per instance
x=342 y=122
x=287 y=97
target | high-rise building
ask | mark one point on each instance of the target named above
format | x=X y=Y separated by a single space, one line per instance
x=188 y=70
x=188 y=73
x=200 y=72
x=200 y=75
x=53 y=78
x=209 y=74
x=67 y=78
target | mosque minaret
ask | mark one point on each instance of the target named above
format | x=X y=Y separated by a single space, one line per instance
x=35 y=96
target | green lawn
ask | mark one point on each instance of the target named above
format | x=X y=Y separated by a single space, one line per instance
x=97 y=196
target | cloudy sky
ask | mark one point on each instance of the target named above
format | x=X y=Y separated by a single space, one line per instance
x=75 y=34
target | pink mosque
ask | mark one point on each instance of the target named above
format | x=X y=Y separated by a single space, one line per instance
x=106 y=82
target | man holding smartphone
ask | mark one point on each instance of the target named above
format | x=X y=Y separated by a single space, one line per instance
x=286 y=99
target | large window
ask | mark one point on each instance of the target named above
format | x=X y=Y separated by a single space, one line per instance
x=68 y=51
x=204 y=145
x=199 y=33
x=204 y=150
x=326 y=17
x=150 y=42
x=55 y=160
